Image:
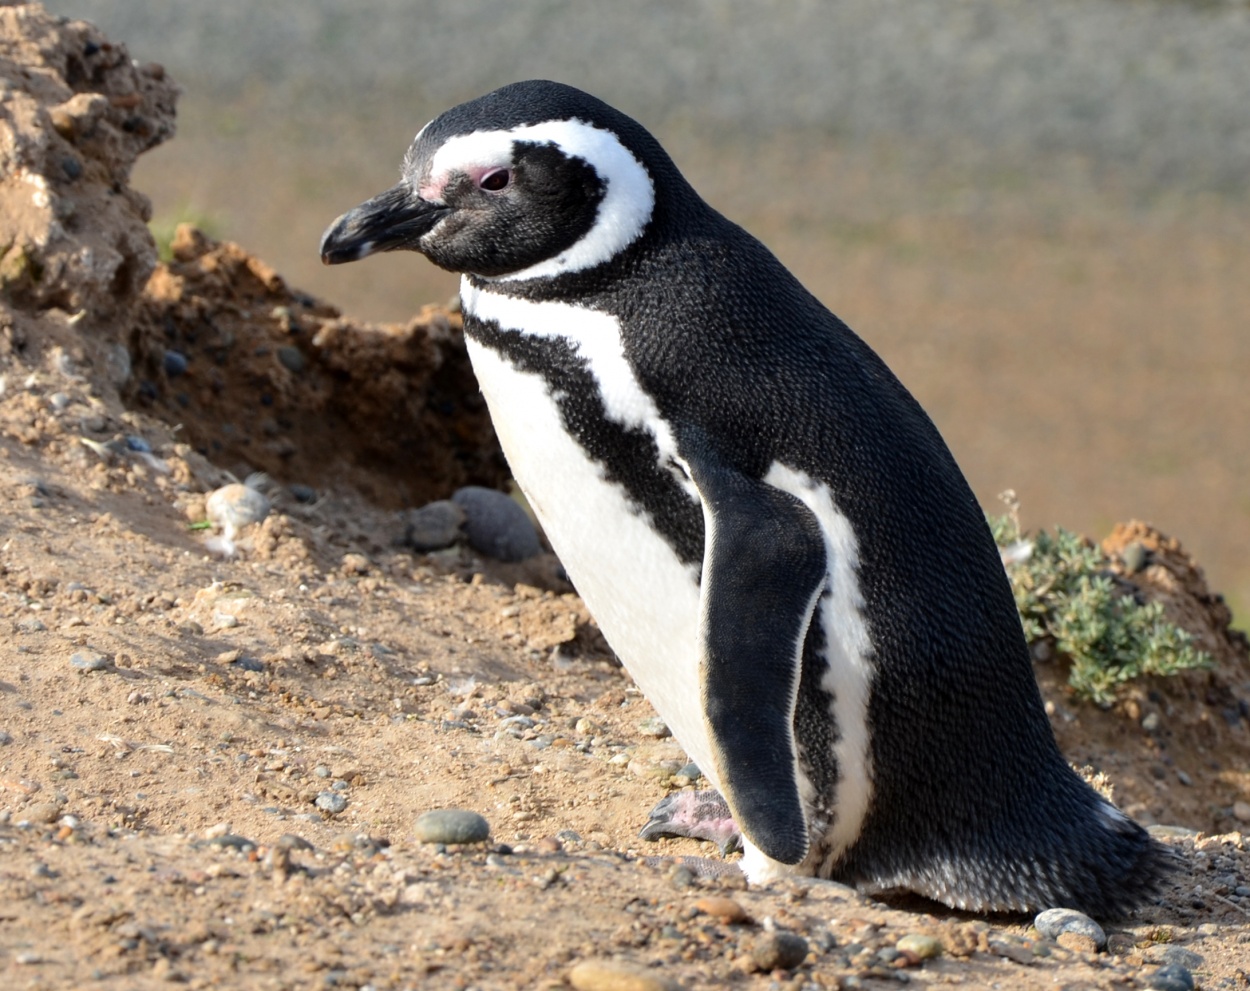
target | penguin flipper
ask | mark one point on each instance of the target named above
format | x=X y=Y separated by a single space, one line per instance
x=764 y=568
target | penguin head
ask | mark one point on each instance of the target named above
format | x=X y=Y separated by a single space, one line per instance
x=534 y=180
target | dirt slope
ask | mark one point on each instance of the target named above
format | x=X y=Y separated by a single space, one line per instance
x=210 y=768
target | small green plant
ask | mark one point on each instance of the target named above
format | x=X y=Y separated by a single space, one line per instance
x=1067 y=595
x=163 y=226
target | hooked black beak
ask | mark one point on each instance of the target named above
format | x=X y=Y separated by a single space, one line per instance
x=390 y=221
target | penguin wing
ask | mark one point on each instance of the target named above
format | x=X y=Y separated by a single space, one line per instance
x=764 y=568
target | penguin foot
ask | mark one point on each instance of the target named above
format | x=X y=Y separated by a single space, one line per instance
x=701 y=815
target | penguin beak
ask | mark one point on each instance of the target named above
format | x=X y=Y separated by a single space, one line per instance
x=390 y=221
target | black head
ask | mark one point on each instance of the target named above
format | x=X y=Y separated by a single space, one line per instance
x=531 y=181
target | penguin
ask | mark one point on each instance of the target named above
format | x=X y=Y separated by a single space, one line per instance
x=768 y=528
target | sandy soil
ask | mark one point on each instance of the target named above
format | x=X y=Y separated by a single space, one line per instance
x=210 y=767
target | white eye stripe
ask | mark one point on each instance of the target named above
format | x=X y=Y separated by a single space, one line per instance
x=623 y=213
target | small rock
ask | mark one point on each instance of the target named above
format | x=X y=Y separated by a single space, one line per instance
x=1241 y=811
x=920 y=946
x=1151 y=722
x=1161 y=831
x=1054 y=921
x=292 y=358
x=723 y=909
x=434 y=526
x=290 y=841
x=232 y=841
x=654 y=726
x=354 y=564
x=42 y=812
x=175 y=363
x=1171 y=977
x=451 y=826
x=1177 y=955
x=1134 y=557
x=89 y=660
x=330 y=801
x=608 y=975
x=779 y=951
x=302 y=493
x=1077 y=942
x=496 y=525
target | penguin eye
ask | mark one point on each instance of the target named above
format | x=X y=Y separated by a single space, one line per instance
x=494 y=181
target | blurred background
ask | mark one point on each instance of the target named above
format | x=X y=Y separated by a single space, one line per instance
x=1038 y=213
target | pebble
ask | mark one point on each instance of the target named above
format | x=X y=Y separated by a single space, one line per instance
x=89 y=660
x=137 y=444
x=232 y=841
x=608 y=975
x=434 y=526
x=654 y=726
x=292 y=358
x=175 y=363
x=1054 y=921
x=42 y=812
x=496 y=525
x=919 y=945
x=1241 y=811
x=779 y=951
x=330 y=801
x=451 y=826
x=724 y=909
x=302 y=493
x=1171 y=977
x=1151 y=722
x=232 y=507
x=1177 y=955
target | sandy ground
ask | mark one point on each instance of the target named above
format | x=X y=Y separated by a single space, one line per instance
x=210 y=767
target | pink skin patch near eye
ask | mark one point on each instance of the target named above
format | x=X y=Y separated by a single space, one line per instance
x=432 y=191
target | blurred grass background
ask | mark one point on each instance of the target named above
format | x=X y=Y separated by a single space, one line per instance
x=1038 y=213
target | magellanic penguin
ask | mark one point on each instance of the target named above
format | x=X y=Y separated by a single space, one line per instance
x=768 y=528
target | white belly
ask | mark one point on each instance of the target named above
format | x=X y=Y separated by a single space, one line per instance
x=644 y=599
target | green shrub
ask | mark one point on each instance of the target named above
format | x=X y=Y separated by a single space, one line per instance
x=1068 y=596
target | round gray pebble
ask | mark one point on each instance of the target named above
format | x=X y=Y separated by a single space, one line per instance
x=331 y=801
x=779 y=951
x=1171 y=977
x=451 y=826
x=434 y=526
x=1054 y=921
x=496 y=525
x=292 y=358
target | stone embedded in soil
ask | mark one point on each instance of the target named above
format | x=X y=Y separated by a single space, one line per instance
x=434 y=526
x=725 y=909
x=1171 y=977
x=609 y=975
x=330 y=801
x=654 y=726
x=919 y=945
x=1241 y=811
x=779 y=951
x=496 y=525
x=1054 y=921
x=451 y=826
x=89 y=660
